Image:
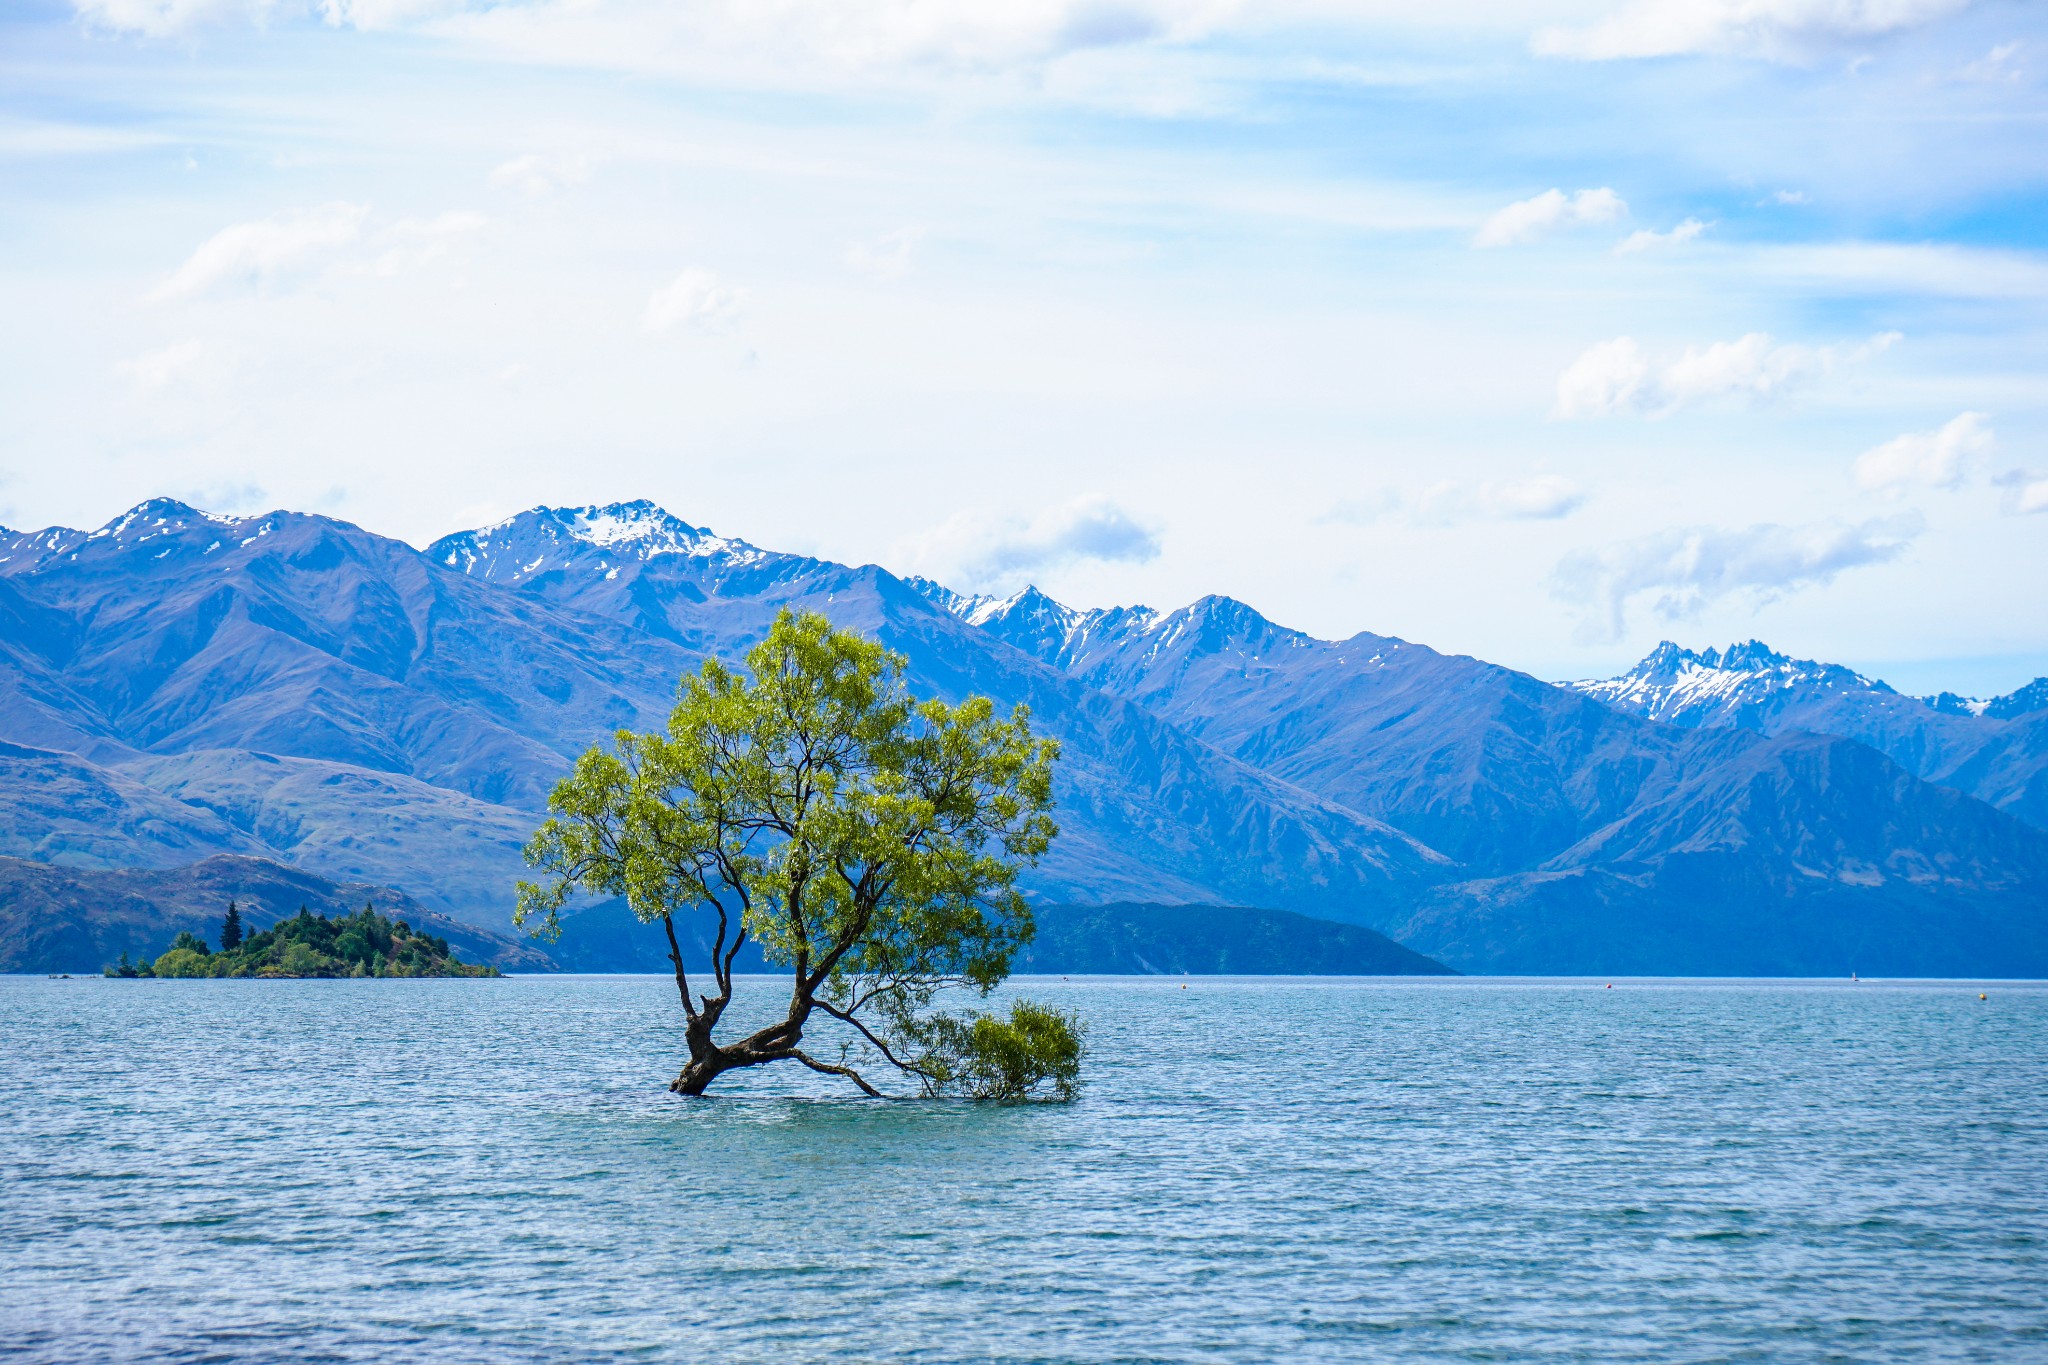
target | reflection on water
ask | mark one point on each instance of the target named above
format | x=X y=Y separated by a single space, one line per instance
x=1259 y=1170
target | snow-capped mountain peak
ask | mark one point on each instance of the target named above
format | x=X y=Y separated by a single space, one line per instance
x=1029 y=605
x=158 y=516
x=547 y=538
x=1752 y=685
x=1038 y=624
x=1715 y=686
x=1068 y=637
x=156 y=519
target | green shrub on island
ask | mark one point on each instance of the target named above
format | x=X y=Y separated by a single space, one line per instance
x=308 y=945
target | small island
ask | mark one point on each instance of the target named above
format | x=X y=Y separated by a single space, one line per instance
x=308 y=945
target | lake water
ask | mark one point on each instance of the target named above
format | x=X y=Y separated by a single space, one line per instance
x=1259 y=1170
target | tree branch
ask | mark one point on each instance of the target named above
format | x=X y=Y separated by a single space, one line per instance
x=675 y=955
x=738 y=942
x=852 y=936
x=814 y=1064
x=847 y=1018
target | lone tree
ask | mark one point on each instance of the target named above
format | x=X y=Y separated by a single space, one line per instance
x=868 y=841
x=231 y=929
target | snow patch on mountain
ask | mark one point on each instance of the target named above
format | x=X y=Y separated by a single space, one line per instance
x=146 y=521
x=28 y=548
x=2024 y=701
x=1953 y=704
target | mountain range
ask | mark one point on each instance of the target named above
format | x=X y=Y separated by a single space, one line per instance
x=294 y=688
x=1994 y=749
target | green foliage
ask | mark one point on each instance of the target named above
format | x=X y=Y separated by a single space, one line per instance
x=231 y=929
x=182 y=962
x=190 y=942
x=987 y=1058
x=867 y=840
x=310 y=945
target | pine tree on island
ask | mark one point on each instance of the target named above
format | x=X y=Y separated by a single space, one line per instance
x=231 y=929
x=868 y=841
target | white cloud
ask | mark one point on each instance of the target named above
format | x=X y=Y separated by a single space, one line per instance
x=154 y=371
x=413 y=242
x=2026 y=492
x=1935 y=459
x=260 y=252
x=541 y=173
x=804 y=41
x=978 y=551
x=49 y=137
x=1788 y=197
x=306 y=242
x=888 y=256
x=1752 y=365
x=1685 y=570
x=781 y=40
x=236 y=497
x=163 y=18
x=1994 y=67
x=1889 y=268
x=1539 y=497
x=1776 y=30
x=1552 y=209
x=384 y=14
x=695 y=298
x=1377 y=505
x=1610 y=377
x=1544 y=497
x=1646 y=240
x=1618 y=376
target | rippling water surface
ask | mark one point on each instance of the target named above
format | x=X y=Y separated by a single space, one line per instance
x=1260 y=1170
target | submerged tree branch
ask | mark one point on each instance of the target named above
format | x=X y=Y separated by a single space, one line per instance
x=830 y=1070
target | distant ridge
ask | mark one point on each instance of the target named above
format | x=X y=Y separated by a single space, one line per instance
x=1210 y=940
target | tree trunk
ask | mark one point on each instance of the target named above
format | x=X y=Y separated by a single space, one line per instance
x=707 y=1059
x=777 y=1042
x=700 y=1072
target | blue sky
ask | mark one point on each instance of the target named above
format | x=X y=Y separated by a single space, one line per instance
x=1537 y=331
